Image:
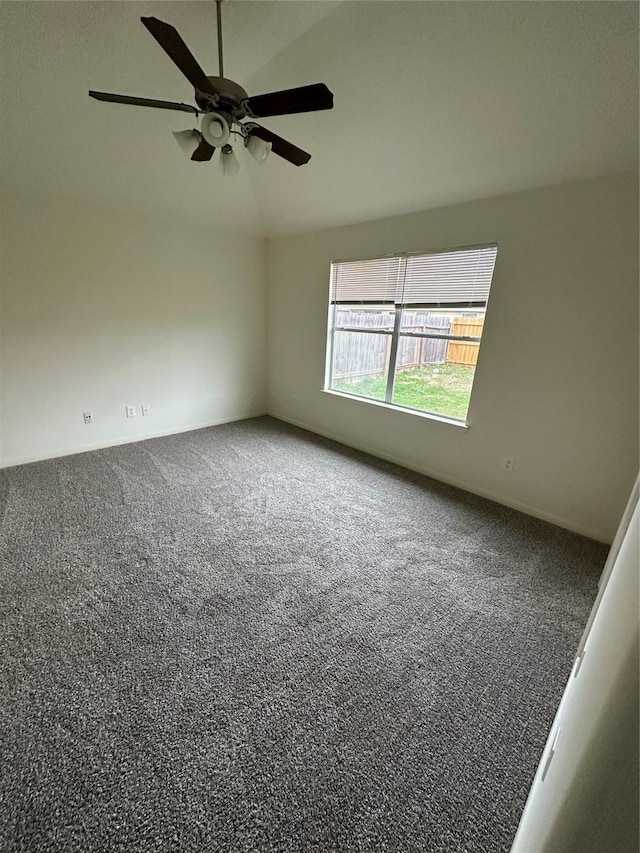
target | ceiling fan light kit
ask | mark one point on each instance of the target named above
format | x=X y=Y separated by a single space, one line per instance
x=224 y=104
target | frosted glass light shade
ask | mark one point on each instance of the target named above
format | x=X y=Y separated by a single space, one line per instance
x=228 y=161
x=258 y=148
x=188 y=140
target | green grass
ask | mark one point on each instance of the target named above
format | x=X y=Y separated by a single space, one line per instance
x=444 y=390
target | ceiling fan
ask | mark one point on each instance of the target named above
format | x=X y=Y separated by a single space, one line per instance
x=224 y=103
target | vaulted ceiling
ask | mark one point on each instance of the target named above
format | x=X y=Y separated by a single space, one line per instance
x=435 y=103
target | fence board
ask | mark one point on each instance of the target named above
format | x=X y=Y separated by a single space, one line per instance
x=420 y=352
x=465 y=353
x=356 y=355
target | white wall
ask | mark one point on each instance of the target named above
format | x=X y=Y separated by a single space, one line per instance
x=587 y=800
x=100 y=308
x=557 y=379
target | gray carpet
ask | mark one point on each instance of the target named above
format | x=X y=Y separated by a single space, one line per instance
x=248 y=638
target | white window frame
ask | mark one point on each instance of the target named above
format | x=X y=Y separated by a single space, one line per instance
x=396 y=332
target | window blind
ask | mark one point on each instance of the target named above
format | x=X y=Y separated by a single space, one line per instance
x=375 y=281
x=451 y=278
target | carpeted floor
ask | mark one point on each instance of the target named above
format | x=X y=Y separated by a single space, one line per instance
x=248 y=638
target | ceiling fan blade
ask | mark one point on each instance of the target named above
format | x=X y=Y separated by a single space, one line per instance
x=280 y=146
x=142 y=102
x=203 y=152
x=171 y=42
x=306 y=99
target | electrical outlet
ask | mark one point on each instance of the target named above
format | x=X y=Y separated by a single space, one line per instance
x=88 y=417
x=145 y=408
x=508 y=463
x=131 y=411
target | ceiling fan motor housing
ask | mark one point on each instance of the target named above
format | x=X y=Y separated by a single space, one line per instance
x=228 y=97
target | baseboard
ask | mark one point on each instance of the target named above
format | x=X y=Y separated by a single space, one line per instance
x=566 y=523
x=130 y=439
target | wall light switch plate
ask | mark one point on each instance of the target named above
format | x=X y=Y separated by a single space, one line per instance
x=146 y=409
x=131 y=411
x=88 y=417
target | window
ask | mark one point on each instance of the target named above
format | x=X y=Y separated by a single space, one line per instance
x=406 y=330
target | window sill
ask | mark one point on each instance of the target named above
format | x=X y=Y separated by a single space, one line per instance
x=405 y=411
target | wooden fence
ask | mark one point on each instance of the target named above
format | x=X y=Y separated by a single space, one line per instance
x=360 y=356
x=418 y=352
x=465 y=352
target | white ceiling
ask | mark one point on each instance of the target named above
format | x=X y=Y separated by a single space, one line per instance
x=435 y=103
